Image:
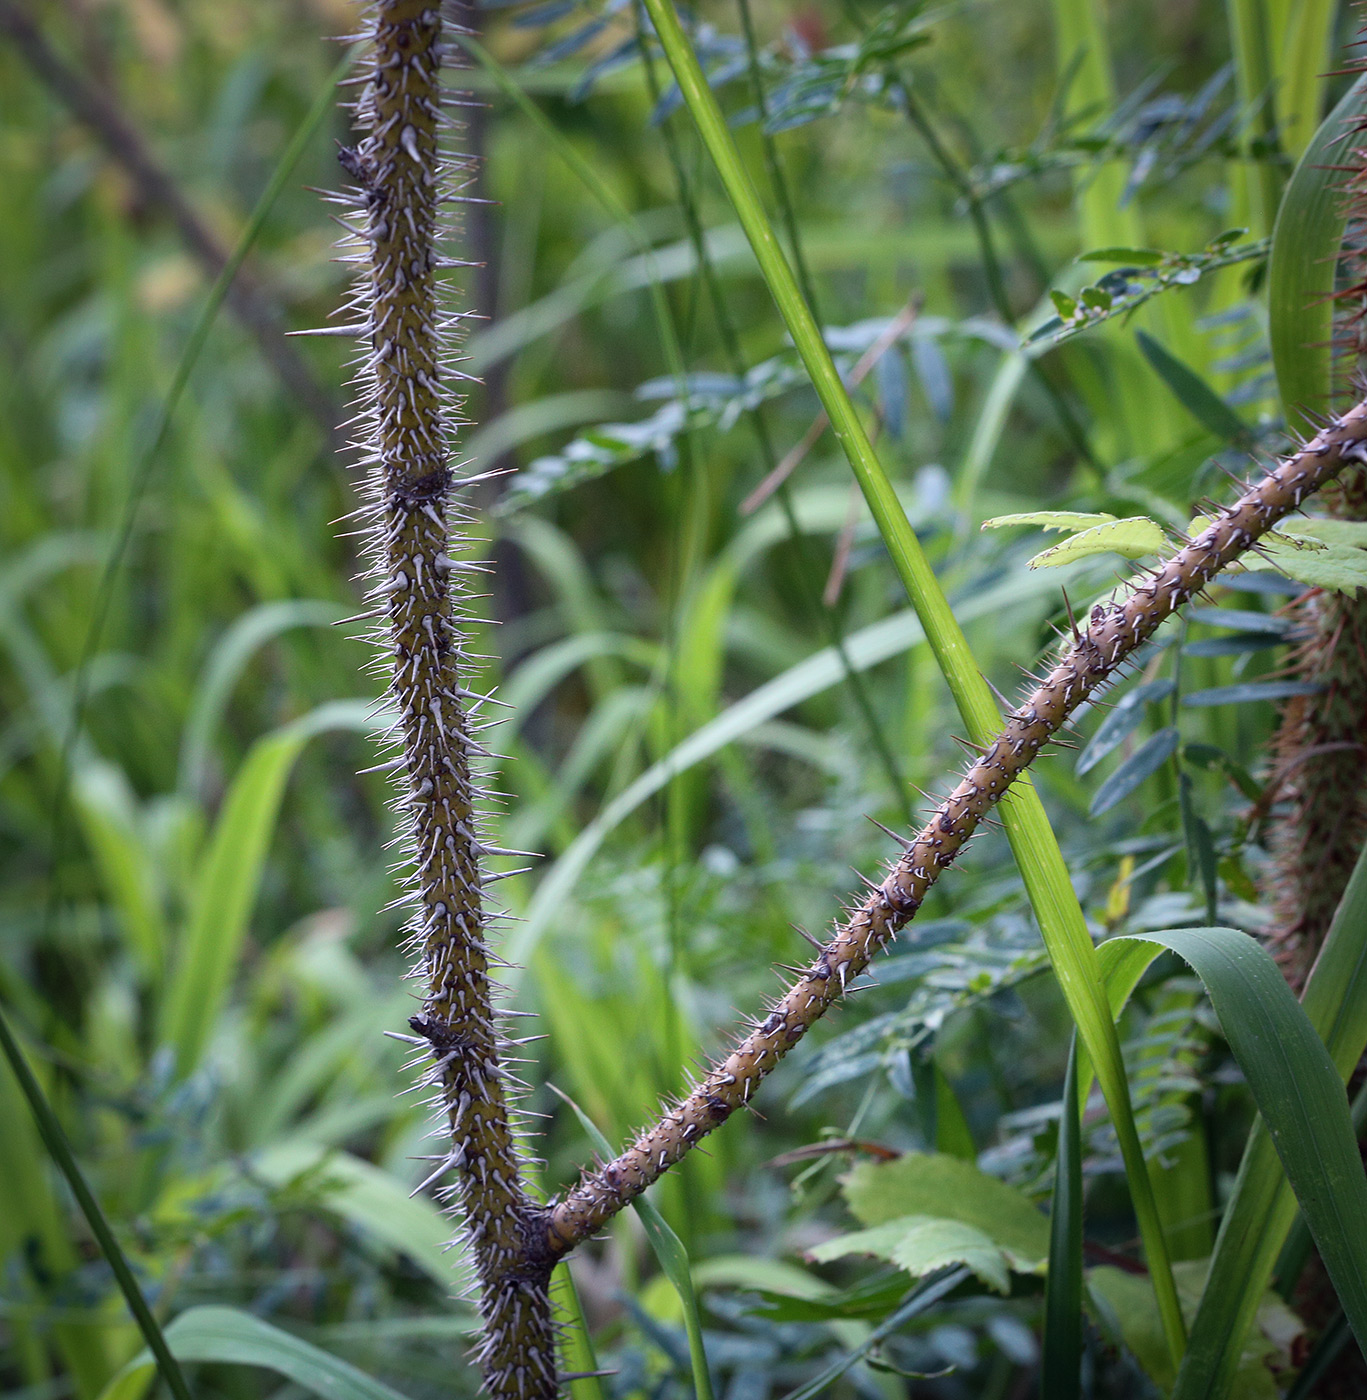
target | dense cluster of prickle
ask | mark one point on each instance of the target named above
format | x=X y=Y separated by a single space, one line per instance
x=400 y=180
x=1094 y=657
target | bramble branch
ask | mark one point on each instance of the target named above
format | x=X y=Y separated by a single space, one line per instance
x=1113 y=634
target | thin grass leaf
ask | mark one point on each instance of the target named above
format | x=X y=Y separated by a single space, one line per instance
x=228 y=878
x=1033 y=844
x=55 y=1140
x=1125 y=716
x=1061 y=1358
x=925 y=1295
x=1249 y=691
x=1136 y=770
x=1193 y=393
x=224 y=668
x=672 y=1256
x=235 y=1338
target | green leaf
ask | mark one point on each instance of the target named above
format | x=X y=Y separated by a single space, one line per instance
x=1348 y=533
x=1140 y=257
x=371 y=1199
x=1299 y=1093
x=1193 y=393
x=921 y=1244
x=1262 y=1209
x=1305 y=250
x=232 y=1337
x=1133 y=538
x=1137 y=769
x=228 y=879
x=1061 y=1358
x=1249 y=691
x=1070 y=520
x=1126 y=1303
x=111 y=820
x=1341 y=568
x=1126 y=715
x=671 y=1255
x=932 y=1184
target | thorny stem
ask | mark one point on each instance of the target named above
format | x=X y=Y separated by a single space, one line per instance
x=1114 y=633
x=398 y=172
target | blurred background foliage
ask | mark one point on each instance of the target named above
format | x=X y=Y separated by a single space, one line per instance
x=192 y=942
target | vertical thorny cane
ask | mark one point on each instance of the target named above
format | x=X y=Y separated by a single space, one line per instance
x=401 y=182
x=513 y=1240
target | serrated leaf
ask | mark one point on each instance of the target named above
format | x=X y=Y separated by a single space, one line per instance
x=1126 y=715
x=1137 y=769
x=1133 y=538
x=1063 y=304
x=1071 y=520
x=1337 y=567
x=1349 y=533
x=920 y=1244
x=942 y=1187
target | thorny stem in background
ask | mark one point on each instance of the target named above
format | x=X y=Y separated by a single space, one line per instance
x=1095 y=656
x=155 y=188
x=398 y=175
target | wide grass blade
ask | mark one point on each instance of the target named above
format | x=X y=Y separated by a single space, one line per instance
x=1305 y=250
x=1299 y=1093
x=232 y=1337
x=229 y=878
x=1262 y=1208
x=227 y=661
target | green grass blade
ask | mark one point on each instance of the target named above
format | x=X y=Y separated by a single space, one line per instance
x=672 y=1256
x=232 y=1337
x=1084 y=61
x=229 y=878
x=1061 y=1359
x=371 y=1199
x=1306 y=46
x=1253 y=46
x=599 y=189
x=1262 y=1208
x=224 y=668
x=60 y=1150
x=1299 y=1093
x=1032 y=840
x=1305 y=249
x=580 y=1358
x=870 y=645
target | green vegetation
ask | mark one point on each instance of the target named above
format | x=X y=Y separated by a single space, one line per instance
x=1039 y=268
